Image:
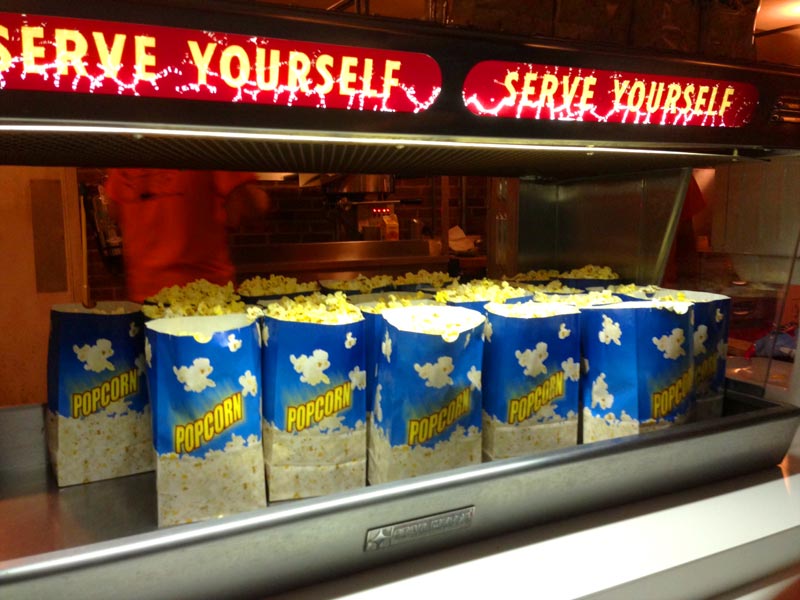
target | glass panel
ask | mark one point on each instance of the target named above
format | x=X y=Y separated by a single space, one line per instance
x=738 y=236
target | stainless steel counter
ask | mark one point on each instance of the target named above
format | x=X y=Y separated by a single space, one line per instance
x=338 y=260
x=100 y=540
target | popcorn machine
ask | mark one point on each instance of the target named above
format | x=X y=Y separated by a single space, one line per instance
x=589 y=156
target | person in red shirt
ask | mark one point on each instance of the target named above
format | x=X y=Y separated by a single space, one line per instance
x=174 y=225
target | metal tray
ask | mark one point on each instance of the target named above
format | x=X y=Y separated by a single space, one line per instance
x=100 y=540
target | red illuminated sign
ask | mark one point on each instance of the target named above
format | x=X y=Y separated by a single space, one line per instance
x=99 y=57
x=546 y=92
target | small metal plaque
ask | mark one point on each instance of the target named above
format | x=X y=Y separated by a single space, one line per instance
x=409 y=531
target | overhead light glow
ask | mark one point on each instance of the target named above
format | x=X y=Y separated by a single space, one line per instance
x=330 y=138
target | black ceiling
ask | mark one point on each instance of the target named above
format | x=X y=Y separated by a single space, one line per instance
x=447 y=120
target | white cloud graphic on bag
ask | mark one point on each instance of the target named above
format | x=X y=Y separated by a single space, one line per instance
x=377 y=406
x=532 y=360
x=600 y=395
x=572 y=369
x=475 y=378
x=233 y=343
x=671 y=345
x=195 y=378
x=487 y=331
x=358 y=378
x=95 y=358
x=700 y=337
x=436 y=375
x=249 y=384
x=611 y=332
x=349 y=340
x=386 y=347
x=312 y=368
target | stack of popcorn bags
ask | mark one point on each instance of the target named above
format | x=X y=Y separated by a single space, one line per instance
x=98 y=415
x=308 y=393
x=639 y=367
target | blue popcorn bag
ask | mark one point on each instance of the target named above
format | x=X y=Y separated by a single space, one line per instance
x=710 y=346
x=427 y=412
x=371 y=306
x=204 y=376
x=531 y=374
x=98 y=421
x=314 y=403
x=639 y=367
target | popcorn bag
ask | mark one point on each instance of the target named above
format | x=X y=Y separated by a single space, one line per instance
x=371 y=306
x=98 y=417
x=639 y=367
x=427 y=412
x=710 y=347
x=314 y=407
x=531 y=370
x=205 y=384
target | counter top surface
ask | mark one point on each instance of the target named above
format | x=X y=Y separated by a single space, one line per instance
x=691 y=544
x=700 y=542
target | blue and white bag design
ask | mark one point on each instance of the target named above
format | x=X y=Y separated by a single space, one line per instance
x=314 y=406
x=712 y=314
x=205 y=384
x=639 y=367
x=427 y=412
x=371 y=306
x=531 y=372
x=98 y=417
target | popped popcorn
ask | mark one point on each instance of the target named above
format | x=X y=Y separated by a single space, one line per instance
x=486 y=290
x=389 y=462
x=377 y=303
x=315 y=461
x=223 y=482
x=535 y=275
x=435 y=279
x=633 y=291
x=275 y=285
x=431 y=320
x=582 y=299
x=590 y=272
x=197 y=298
x=100 y=446
x=597 y=428
x=501 y=440
x=330 y=309
x=361 y=284
x=556 y=286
